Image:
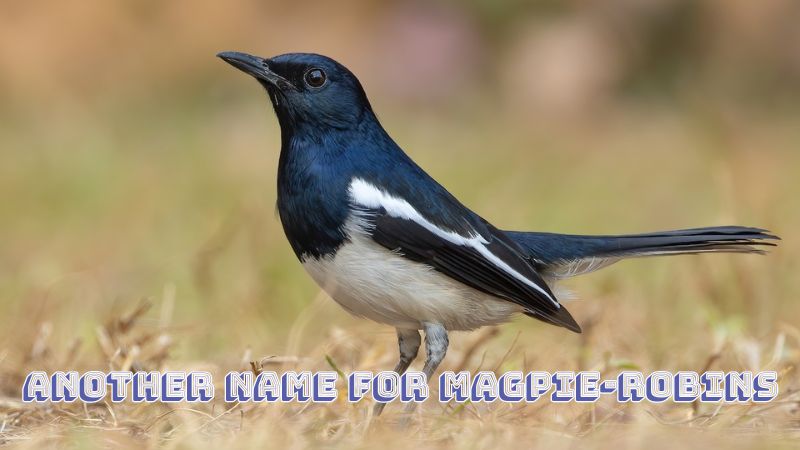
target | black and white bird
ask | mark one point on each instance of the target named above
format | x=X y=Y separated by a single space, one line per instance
x=389 y=243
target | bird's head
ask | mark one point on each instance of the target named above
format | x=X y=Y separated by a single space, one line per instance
x=306 y=89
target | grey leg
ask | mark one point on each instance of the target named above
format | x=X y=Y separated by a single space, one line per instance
x=408 y=341
x=436 y=342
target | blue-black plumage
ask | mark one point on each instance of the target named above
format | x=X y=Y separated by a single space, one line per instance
x=389 y=243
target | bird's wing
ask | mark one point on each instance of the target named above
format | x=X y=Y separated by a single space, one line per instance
x=478 y=254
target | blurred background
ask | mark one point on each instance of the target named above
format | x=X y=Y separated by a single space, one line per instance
x=136 y=165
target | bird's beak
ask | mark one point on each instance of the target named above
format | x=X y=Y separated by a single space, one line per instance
x=256 y=67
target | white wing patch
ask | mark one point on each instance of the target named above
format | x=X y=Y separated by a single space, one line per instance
x=368 y=195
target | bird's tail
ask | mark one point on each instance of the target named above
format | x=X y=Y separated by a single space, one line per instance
x=564 y=255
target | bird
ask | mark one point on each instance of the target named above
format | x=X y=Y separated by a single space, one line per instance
x=389 y=243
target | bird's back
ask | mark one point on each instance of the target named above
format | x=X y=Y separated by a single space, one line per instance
x=315 y=172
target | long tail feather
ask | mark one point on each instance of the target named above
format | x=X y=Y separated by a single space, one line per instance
x=564 y=255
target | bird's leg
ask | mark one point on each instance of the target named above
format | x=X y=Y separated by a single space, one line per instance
x=408 y=341
x=436 y=342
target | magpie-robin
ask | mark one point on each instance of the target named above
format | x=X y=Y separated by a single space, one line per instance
x=389 y=243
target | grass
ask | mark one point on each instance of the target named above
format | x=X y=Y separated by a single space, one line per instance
x=145 y=237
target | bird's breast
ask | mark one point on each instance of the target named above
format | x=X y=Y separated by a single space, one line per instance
x=371 y=281
x=312 y=207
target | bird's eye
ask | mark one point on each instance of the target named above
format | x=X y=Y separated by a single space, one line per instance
x=315 y=78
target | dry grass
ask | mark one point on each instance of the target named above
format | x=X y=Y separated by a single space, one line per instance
x=234 y=299
x=174 y=204
x=128 y=342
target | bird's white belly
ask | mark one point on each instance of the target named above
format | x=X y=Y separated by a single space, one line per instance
x=371 y=281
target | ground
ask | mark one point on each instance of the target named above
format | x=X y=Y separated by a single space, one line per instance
x=147 y=239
